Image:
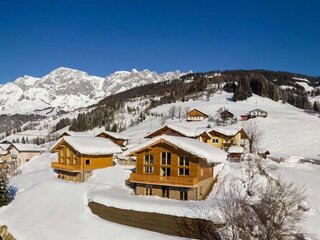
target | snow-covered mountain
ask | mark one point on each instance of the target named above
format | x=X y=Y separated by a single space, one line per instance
x=67 y=89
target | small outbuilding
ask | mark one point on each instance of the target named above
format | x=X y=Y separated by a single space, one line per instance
x=258 y=113
x=235 y=153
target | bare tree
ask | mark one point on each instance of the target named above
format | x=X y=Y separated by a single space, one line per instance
x=254 y=132
x=179 y=112
x=172 y=111
x=271 y=210
x=162 y=119
x=185 y=112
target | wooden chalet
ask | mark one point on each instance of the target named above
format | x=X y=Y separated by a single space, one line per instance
x=175 y=167
x=174 y=130
x=75 y=134
x=226 y=114
x=196 y=115
x=118 y=138
x=79 y=156
x=258 y=113
x=224 y=138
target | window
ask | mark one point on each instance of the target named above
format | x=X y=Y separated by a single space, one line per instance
x=165 y=171
x=148 y=169
x=148 y=159
x=166 y=158
x=183 y=194
x=184 y=160
x=87 y=162
x=148 y=189
x=183 y=171
x=215 y=140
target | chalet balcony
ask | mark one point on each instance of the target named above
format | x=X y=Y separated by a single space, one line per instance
x=163 y=180
x=66 y=167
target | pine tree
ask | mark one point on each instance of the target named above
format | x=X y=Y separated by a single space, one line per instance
x=6 y=193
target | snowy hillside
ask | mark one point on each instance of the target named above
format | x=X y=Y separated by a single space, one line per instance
x=288 y=131
x=68 y=89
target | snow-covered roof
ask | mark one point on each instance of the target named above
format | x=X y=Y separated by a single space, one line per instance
x=227 y=130
x=90 y=145
x=196 y=109
x=188 y=132
x=27 y=147
x=257 y=109
x=202 y=150
x=4 y=146
x=235 y=149
x=76 y=134
x=115 y=135
x=3 y=152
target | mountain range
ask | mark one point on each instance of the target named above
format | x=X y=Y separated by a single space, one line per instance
x=67 y=89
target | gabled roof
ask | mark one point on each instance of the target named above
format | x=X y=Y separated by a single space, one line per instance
x=3 y=152
x=187 y=132
x=258 y=109
x=229 y=131
x=89 y=145
x=114 y=135
x=195 y=109
x=76 y=134
x=27 y=147
x=202 y=150
x=4 y=146
x=227 y=111
x=226 y=131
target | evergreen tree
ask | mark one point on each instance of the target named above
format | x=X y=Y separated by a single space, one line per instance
x=6 y=193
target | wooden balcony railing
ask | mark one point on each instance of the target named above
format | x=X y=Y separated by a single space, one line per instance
x=66 y=167
x=163 y=180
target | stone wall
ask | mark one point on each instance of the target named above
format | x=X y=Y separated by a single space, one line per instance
x=161 y=223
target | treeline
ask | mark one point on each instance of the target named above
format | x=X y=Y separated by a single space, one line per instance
x=191 y=86
x=100 y=116
x=244 y=83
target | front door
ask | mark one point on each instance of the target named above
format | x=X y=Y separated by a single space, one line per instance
x=165 y=191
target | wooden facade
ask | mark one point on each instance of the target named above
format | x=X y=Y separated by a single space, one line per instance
x=167 y=171
x=196 y=115
x=224 y=141
x=258 y=113
x=166 y=130
x=74 y=166
x=226 y=114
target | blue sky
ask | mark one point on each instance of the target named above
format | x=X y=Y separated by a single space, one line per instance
x=101 y=37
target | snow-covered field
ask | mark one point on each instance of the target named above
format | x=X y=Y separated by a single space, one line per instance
x=48 y=208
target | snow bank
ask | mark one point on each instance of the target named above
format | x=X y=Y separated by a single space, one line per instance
x=48 y=208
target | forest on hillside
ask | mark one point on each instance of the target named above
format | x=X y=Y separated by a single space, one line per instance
x=243 y=83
